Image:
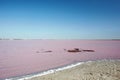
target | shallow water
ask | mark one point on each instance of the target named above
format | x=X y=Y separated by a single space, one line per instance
x=20 y=57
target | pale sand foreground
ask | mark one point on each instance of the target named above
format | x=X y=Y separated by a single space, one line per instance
x=96 y=70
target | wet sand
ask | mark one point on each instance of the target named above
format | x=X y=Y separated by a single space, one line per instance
x=95 y=70
x=22 y=57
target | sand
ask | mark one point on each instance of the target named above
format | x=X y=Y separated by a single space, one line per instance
x=95 y=70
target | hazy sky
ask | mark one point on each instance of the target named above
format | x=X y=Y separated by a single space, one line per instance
x=60 y=19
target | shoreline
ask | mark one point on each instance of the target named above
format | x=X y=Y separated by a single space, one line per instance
x=54 y=70
x=91 y=70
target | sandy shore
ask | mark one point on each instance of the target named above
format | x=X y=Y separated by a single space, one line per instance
x=95 y=70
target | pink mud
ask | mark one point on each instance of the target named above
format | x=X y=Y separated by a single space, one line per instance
x=20 y=57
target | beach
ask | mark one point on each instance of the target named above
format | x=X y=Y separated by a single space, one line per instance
x=91 y=70
x=25 y=58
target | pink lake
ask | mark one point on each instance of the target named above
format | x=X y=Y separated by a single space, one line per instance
x=20 y=57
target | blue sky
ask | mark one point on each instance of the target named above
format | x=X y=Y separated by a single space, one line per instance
x=60 y=19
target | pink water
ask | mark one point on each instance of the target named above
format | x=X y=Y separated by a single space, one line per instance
x=19 y=57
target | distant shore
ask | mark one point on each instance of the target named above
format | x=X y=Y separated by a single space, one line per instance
x=91 y=70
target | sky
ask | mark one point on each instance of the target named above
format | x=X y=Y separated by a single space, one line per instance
x=60 y=19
